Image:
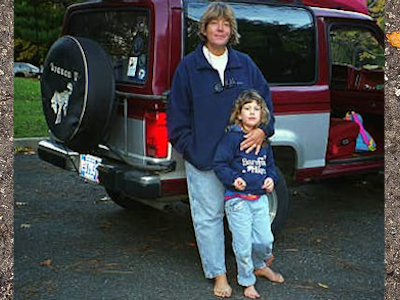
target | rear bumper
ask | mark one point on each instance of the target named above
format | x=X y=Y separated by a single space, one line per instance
x=135 y=183
x=58 y=155
x=139 y=184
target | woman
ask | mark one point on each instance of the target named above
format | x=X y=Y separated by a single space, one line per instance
x=205 y=85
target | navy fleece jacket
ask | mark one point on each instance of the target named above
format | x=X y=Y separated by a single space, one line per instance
x=198 y=108
x=231 y=163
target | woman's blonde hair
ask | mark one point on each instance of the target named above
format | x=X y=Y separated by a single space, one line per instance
x=245 y=97
x=219 y=10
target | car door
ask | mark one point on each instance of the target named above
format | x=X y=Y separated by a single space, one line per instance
x=357 y=77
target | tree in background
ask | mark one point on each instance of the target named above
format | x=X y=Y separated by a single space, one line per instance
x=377 y=11
x=37 y=25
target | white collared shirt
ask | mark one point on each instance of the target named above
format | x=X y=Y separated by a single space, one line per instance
x=217 y=62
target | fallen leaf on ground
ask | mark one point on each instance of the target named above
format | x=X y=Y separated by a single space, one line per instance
x=21 y=203
x=104 y=199
x=105 y=225
x=304 y=287
x=163 y=228
x=323 y=285
x=394 y=38
x=191 y=244
x=144 y=248
x=25 y=225
x=46 y=262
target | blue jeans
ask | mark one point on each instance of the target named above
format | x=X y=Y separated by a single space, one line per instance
x=206 y=197
x=252 y=237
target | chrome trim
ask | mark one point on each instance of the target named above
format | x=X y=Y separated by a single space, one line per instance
x=54 y=153
x=126 y=124
x=141 y=178
x=273 y=205
x=51 y=146
x=148 y=179
x=162 y=97
x=138 y=162
x=147 y=158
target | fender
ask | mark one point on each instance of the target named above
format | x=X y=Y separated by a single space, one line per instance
x=307 y=134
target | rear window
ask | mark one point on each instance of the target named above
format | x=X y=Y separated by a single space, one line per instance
x=280 y=39
x=124 y=35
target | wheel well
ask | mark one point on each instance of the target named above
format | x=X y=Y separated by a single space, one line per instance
x=285 y=159
x=19 y=74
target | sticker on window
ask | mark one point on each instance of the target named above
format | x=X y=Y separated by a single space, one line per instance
x=142 y=74
x=132 y=66
x=142 y=60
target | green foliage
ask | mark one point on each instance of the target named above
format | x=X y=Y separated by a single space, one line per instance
x=37 y=25
x=29 y=120
x=356 y=47
x=27 y=51
x=377 y=10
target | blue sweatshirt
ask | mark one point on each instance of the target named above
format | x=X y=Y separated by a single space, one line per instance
x=199 y=105
x=231 y=163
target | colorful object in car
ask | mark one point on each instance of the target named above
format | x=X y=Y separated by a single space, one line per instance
x=364 y=141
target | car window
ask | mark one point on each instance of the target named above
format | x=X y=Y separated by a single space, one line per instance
x=280 y=39
x=124 y=35
x=357 y=59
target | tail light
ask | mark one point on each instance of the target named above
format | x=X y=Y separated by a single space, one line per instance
x=156 y=134
x=153 y=113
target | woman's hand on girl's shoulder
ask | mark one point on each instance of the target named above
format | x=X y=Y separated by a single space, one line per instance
x=253 y=141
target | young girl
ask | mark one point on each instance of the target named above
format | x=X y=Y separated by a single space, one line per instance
x=248 y=177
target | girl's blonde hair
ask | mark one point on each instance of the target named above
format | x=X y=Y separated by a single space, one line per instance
x=245 y=97
x=219 y=10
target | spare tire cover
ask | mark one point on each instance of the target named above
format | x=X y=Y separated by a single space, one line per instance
x=78 y=92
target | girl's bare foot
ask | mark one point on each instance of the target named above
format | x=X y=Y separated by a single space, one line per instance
x=250 y=292
x=269 y=274
x=221 y=287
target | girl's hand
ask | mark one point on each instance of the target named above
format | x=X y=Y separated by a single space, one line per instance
x=253 y=140
x=239 y=184
x=268 y=185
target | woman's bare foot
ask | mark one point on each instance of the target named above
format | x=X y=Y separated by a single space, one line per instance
x=221 y=287
x=250 y=292
x=270 y=260
x=269 y=274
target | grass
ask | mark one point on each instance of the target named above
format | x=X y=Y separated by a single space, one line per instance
x=29 y=120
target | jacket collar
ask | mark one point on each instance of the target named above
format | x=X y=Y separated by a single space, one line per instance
x=202 y=63
x=234 y=128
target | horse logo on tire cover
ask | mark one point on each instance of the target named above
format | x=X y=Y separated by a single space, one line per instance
x=60 y=101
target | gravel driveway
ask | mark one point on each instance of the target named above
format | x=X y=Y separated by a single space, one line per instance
x=73 y=242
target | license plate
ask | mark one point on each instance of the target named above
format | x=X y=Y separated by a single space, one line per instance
x=88 y=167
